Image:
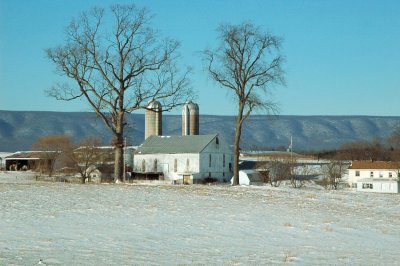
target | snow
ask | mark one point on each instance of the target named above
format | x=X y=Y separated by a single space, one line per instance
x=125 y=224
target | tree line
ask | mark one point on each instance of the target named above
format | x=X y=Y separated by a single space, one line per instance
x=387 y=149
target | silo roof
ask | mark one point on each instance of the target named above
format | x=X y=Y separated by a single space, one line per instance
x=154 y=105
x=175 y=144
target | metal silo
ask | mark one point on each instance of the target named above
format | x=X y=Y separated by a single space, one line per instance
x=153 y=120
x=190 y=119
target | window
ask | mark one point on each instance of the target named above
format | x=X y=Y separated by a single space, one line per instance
x=380 y=174
x=357 y=173
x=371 y=174
x=209 y=160
x=390 y=174
x=155 y=165
x=223 y=160
x=176 y=165
x=367 y=185
x=144 y=165
x=217 y=141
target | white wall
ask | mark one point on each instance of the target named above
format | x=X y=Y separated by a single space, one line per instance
x=383 y=186
x=216 y=169
x=166 y=163
x=366 y=173
x=199 y=164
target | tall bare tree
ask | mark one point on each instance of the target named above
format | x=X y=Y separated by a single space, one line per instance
x=247 y=62
x=118 y=64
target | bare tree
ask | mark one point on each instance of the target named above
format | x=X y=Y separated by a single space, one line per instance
x=118 y=68
x=52 y=149
x=278 y=171
x=334 y=171
x=247 y=62
x=299 y=174
x=86 y=154
x=274 y=171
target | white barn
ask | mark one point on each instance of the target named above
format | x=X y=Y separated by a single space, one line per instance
x=184 y=159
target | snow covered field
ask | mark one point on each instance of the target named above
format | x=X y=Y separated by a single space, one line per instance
x=73 y=224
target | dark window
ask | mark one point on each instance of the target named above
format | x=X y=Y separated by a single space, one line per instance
x=176 y=165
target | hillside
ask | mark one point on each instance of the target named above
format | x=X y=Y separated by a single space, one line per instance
x=19 y=129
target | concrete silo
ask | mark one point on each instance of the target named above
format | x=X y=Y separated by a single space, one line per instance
x=190 y=119
x=153 y=120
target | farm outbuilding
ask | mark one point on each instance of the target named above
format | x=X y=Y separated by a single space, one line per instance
x=28 y=160
x=249 y=177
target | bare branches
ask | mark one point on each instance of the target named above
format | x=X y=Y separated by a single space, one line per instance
x=118 y=68
x=246 y=60
x=247 y=63
x=334 y=171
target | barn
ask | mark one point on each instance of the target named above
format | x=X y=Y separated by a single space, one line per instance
x=184 y=159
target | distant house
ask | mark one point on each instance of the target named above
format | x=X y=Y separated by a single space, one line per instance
x=373 y=170
x=249 y=177
x=183 y=159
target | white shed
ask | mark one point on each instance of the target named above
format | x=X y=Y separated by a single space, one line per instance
x=378 y=185
x=249 y=177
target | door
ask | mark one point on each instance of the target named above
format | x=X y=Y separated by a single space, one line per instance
x=186 y=179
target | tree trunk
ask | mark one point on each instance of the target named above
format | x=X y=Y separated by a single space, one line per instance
x=236 y=153
x=119 y=149
x=119 y=161
x=236 y=146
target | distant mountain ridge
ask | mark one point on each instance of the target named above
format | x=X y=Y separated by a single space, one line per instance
x=19 y=129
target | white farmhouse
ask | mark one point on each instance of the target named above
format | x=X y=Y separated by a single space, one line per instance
x=183 y=159
x=372 y=170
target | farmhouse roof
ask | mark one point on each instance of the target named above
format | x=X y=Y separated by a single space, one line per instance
x=374 y=165
x=175 y=144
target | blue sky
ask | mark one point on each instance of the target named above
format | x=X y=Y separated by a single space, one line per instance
x=342 y=57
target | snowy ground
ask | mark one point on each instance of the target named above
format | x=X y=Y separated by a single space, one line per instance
x=73 y=224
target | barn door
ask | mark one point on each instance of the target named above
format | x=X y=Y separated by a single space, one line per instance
x=186 y=179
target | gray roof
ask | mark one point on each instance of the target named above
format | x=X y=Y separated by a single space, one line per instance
x=175 y=144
